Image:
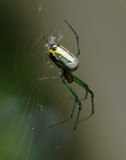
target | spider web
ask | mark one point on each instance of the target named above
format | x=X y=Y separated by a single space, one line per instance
x=29 y=105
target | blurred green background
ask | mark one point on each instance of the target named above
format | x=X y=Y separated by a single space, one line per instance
x=28 y=106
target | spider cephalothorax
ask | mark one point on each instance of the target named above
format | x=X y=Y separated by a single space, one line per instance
x=68 y=76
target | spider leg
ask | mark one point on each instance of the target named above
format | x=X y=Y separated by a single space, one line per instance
x=76 y=100
x=85 y=86
x=77 y=38
x=71 y=115
x=52 y=78
x=78 y=114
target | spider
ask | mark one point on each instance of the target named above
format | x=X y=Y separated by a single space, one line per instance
x=68 y=63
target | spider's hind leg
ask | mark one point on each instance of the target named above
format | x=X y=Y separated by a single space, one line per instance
x=77 y=38
x=49 y=78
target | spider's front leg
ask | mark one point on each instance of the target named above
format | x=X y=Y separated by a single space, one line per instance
x=75 y=102
x=85 y=86
x=71 y=115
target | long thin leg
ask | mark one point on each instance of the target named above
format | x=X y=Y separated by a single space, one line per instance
x=71 y=115
x=76 y=100
x=78 y=114
x=50 y=78
x=77 y=38
x=85 y=86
